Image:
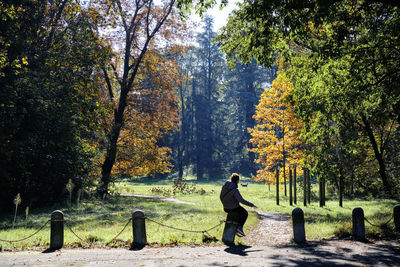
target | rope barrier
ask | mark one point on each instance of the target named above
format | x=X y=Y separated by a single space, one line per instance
x=379 y=225
x=185 y=230
x=72 y=231
x=25 y=238
x=121 y=230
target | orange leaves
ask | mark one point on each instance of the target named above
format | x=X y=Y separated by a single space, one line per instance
x=151 y=113
x=276 y=136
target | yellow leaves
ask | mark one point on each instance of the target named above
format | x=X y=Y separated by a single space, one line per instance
x=275 y=138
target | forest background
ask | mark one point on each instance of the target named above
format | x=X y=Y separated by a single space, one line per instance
x=92 y=91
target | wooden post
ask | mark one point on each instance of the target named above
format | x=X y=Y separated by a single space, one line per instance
x=299 y=234
x=139 y=229
x=396 y=217
x=228 y=236
x=57 y=230
x=295 y=185
x=305 y=186
x=290 y=188
x=358 y=224
x=277 y=186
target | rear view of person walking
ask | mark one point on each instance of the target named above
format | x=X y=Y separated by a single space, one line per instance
x=231 y=197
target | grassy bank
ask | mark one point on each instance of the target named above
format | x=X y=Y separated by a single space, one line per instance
x=98 y=222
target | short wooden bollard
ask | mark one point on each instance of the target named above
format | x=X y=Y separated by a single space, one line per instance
x=396 y=217
x=358 y=224
x=57 y=230
x=299 y=233
x=139 y=229
x=228 y=237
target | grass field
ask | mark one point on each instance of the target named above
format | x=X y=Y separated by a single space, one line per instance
x=97 y=222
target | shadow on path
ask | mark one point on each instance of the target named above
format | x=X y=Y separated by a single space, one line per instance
x=273 y=216
x=239 y=250
x=333 y=253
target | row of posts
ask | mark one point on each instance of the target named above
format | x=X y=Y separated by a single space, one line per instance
x=228 y=237
x=57 y=230
x=358 y=223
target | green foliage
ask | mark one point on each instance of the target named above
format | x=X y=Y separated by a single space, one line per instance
x=47 y=104
x=343 y=59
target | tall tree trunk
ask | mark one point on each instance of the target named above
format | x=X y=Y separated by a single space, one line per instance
x=309 y=186
x=112 y=145
x=320 y=192
x=277 y=186
x=250 y=122
x=378 y=156
x=295 y=185
x=352 y=184
x=340 y=187
x=290 y=188
x=182 y=134
x=305 y=187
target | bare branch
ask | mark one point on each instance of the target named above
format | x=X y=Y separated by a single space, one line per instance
x=109 y=87
x=116 y=73
x=119 y=6
x=54 y=21
x=147 y=18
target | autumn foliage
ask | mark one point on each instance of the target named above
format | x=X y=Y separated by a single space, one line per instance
x=151 y=113
x=275 y=138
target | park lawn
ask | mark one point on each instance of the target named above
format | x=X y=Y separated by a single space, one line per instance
x=97 y=222
x=326 y=222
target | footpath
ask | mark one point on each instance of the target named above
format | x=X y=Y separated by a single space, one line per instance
x=269 y=245
x=322 y=253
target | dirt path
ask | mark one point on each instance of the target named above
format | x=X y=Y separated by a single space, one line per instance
x=273 y=229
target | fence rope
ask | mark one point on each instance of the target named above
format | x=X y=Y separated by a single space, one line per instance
x=378 y=225
x=25 y=238
x=72 y=231
x=123 y=229
x=185 y=230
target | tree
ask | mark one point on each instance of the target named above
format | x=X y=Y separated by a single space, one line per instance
x=243 y=87
x=276 y=136
x=140 y=24
x=356 y=41
x=46 y=102
x=210 y=67
x=151 y=113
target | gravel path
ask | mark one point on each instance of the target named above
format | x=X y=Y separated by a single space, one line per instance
x=323 y=253
x=273 y=229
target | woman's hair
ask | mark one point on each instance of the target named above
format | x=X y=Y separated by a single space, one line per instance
x=235 y=177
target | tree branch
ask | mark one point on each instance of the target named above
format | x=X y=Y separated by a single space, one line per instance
x=109 y=87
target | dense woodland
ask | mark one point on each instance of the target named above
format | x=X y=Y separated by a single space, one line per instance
x=91 y=91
